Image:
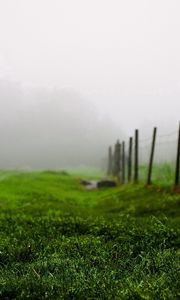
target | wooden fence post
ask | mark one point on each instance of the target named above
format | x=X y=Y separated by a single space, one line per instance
x=110 y=161
x=130 y=159
x=151 y=156
x=123 y=162
x=177 y=160
x=136 y=157
x=117 y=157
x=114 y=159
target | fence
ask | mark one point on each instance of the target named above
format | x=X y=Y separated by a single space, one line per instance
x=156 y=158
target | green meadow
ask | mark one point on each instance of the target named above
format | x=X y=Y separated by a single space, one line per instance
x=61 y=241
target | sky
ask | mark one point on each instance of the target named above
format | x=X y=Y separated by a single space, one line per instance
x=123 y=56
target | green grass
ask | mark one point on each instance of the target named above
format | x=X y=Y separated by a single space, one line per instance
x=162 y=174
x=60 y=241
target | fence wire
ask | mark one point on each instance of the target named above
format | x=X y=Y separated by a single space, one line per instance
x=164 y=160
x=164 y=156
x=165 y=148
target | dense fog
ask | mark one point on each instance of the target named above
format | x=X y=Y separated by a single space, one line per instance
x=75 y=76
x=50 y=128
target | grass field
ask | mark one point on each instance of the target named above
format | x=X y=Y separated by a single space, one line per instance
x=60 y=241
x=162 y=174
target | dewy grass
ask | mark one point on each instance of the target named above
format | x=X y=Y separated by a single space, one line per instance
x=162 y=173
x=59 y=241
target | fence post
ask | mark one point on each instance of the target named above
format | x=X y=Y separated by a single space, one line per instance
x=117 y=157
x=177 y=160
x=110 y=161
x=136 y=157
x=114 y=159
x=130 y=159
x=123 y=162
x=151 y=156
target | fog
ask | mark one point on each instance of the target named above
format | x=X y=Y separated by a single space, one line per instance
x=77 y=75
x=58 y=128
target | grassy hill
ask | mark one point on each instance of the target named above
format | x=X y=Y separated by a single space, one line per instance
x=60 y=241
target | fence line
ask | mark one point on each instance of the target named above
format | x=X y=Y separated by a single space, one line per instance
x=127 y=161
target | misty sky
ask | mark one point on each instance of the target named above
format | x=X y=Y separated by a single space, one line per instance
x=123 y=55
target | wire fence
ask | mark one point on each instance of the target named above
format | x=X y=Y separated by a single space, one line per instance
x=152 y=159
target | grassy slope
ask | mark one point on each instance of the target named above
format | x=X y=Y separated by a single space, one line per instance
x=59 y=241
